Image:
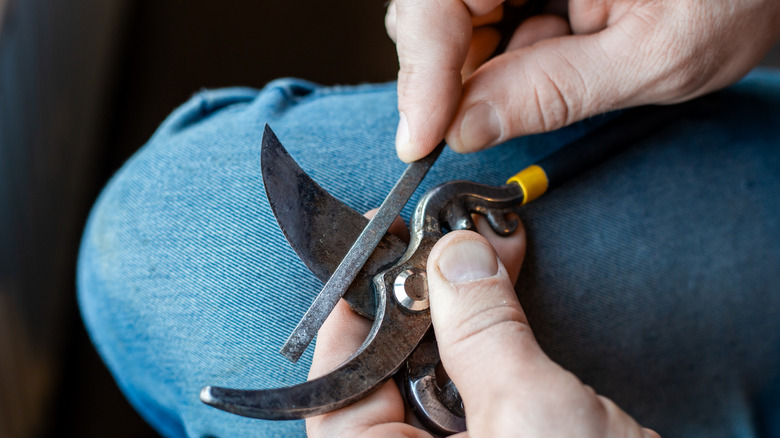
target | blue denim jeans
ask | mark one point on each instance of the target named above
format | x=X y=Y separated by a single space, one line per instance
x=654 y=277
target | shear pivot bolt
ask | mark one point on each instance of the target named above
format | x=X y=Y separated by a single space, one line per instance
x=411 y=289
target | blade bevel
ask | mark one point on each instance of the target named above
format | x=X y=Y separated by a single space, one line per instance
x=320 y=228
x=357 y=255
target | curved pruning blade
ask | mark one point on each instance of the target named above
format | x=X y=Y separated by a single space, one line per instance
x=394 y=334
x=320 y=228
x=302 y=207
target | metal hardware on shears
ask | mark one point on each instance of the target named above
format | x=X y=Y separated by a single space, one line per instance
x=396 y=297
x=347 y=269
x=390 y=287
x=384 y=279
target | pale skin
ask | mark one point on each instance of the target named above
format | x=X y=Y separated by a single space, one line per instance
x=605 y=55
x=608 y=54
x=476 y=315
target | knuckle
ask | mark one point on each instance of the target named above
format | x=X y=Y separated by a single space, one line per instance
x=673 y=61
x=551 y=106
x=489 y=325
x=682 y=69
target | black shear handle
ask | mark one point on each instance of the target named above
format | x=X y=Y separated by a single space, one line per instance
x=600 y=144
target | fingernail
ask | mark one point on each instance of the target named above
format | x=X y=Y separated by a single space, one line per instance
x=402 y=135
x=481 y=126
x=467 y=260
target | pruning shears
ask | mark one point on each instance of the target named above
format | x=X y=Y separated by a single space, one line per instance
x=384 y=279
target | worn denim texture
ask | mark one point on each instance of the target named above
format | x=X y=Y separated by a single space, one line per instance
x=653 y=277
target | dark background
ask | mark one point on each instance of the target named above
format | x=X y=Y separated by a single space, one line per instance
x=83 y=84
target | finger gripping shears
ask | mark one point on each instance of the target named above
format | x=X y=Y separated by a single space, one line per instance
x=396 y=298
x=390 y=285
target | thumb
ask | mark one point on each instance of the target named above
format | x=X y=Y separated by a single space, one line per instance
x=483 y=334
x=554 y=83
x=486 y=346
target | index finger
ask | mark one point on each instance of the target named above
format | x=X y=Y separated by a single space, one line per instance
x=432 y=42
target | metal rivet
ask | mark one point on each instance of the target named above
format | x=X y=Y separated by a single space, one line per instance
x=411 y=289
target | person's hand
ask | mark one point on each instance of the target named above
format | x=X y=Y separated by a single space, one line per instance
x=610 y=55
x=508 y=385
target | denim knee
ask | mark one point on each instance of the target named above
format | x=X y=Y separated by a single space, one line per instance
x=176 y=259
x=185 y=279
